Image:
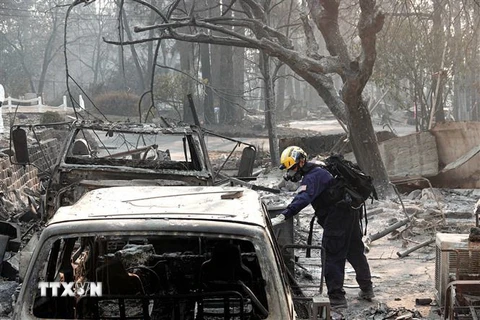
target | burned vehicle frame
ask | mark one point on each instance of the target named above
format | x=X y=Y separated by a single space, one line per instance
x=96 y=154
x=159 y=252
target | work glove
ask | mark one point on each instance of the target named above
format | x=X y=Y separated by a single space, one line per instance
x=277 y=220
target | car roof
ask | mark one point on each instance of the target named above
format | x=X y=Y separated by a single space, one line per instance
x=166 y=202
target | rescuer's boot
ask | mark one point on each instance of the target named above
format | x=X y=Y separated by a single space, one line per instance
x=366 y=294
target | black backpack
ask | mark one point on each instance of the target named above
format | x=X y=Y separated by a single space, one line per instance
x=351 y=178
x=351 y=184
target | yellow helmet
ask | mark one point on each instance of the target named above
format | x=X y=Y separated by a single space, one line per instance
x=291 y=156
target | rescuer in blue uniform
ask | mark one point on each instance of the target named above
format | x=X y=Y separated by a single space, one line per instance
x=342 y=234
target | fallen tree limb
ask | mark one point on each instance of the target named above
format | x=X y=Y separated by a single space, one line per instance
x=372 y=237
x=405 y=253
x=381 y=234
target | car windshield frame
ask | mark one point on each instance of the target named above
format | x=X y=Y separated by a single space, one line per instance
x=137 y=147
x=40 y=268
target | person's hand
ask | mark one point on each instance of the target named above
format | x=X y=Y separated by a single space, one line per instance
x=277 y=220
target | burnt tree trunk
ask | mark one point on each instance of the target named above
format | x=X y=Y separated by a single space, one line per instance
x=238 y=84
x=364 y=142
x=207 y=78
x=270 y=109
x=186 y=61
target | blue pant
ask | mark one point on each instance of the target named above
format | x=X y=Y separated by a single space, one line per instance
x=342 y=240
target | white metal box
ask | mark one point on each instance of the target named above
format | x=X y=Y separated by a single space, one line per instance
x=457 y=258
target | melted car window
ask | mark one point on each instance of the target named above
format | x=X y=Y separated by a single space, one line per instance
x=154 y=277
x=139 y=150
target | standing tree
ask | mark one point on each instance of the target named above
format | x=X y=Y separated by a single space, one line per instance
x=353 y=64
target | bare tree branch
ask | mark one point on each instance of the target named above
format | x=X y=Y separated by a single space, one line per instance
x=200 y=38
x=325 y=16
x=370 y=23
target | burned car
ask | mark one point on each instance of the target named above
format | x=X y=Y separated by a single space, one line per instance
x=99 y=154
x=158 y=252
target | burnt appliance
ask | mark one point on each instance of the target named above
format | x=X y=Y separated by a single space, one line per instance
x=457 y=276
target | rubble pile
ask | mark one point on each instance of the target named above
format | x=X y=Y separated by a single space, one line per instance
x=382 y=312
x=19 y=222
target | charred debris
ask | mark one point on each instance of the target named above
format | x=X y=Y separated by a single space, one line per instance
x=73 y=158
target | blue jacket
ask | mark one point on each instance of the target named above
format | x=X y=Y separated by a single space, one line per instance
x=314 y=182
